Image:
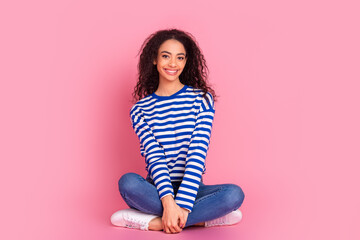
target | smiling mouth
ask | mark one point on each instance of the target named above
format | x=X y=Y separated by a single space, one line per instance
x=171 y=72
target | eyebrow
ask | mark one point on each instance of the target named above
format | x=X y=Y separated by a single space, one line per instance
x=170 y=53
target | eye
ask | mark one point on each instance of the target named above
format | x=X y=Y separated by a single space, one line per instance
x=181 y=58
x=164 y=56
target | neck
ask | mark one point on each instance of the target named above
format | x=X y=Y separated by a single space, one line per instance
x=168 y=88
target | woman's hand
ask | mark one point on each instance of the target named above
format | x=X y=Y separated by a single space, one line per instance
x=186 y=214
x=173 y=215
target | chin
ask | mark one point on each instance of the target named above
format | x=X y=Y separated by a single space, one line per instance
x=171 y=78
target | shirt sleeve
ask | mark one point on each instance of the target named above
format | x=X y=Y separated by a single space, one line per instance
x=153 y=152
x=195 y=159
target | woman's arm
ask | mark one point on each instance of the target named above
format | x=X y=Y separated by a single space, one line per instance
x=153 y=152
x=195 y=159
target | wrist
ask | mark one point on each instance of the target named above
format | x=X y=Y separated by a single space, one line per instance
x=167 y=200
x=186 y=209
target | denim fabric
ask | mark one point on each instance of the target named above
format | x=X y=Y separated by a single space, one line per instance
x=212 y=201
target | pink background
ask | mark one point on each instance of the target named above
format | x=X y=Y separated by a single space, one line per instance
x=286 y=128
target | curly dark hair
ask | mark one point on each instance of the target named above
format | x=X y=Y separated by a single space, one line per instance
x=194 y=74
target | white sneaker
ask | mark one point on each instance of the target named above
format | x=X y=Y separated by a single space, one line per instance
x=132 y=218
x=229 y=219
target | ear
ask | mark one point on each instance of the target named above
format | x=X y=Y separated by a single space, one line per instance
x=154 y=62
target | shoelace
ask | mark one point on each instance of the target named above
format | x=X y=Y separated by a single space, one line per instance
x=131 y=222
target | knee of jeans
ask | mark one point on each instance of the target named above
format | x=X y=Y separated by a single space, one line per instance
x=127 y=182
x=235 y=196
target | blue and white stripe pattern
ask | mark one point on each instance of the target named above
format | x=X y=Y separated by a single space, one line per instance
x=174 y=133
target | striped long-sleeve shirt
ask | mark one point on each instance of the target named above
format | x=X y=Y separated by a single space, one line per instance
x=174 y=133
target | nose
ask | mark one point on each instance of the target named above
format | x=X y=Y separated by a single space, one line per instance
x=172 y=62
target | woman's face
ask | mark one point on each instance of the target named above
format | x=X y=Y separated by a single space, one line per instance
x=170 y=60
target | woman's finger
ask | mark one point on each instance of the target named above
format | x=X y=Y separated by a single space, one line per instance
x=172 y=229
x=182 y=221
x=165 y=227
x=176 y=228
x=167 y=230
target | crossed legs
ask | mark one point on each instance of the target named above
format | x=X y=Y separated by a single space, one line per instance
x=212 y=201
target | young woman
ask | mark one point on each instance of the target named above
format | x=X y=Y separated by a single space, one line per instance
x=173 y=119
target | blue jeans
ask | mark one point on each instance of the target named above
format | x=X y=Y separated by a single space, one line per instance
x=212 y=201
